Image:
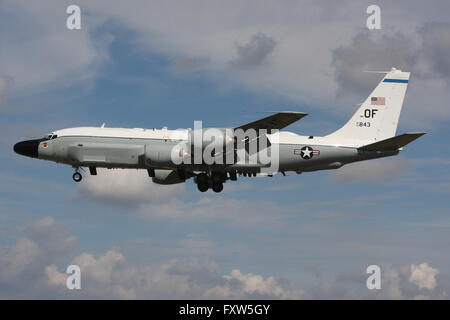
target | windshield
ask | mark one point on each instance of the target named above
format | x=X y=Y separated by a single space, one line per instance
x=49 y=137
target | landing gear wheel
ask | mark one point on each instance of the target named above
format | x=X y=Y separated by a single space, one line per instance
x=202 y=187
x=77 y=177
x=216 y=178
x=202 y=178
x=217 y=187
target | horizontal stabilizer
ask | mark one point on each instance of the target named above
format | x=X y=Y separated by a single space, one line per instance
x=393 y=143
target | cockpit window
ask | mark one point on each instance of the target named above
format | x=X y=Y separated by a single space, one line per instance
x=50 y=137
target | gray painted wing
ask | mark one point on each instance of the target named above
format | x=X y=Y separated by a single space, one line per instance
x=278 y=121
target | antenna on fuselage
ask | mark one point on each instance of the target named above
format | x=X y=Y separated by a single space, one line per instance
x=103 y=125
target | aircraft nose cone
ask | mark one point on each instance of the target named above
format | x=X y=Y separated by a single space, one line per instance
x=27 y=148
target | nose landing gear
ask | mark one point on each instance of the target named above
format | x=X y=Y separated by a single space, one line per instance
x=77 y=177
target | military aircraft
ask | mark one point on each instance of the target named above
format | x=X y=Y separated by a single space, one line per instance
x=369 y=134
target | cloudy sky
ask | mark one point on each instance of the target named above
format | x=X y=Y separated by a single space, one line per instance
x=168 y=63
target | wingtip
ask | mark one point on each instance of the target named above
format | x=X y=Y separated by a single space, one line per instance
x=277 y=111
x=417 y=133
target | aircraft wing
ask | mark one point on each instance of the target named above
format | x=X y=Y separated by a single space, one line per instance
x=393 y=143
x=278 y=121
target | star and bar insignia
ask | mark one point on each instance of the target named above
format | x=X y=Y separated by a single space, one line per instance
x=306 y=152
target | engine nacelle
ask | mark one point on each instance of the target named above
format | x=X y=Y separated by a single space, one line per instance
x=166 y=154
x=158 y=154
x=167 y=177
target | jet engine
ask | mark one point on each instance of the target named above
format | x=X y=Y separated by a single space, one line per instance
x=166 y=154
x=158 y=154
x=167 y=177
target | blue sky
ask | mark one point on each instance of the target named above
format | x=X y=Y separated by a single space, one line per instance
x=167 y=64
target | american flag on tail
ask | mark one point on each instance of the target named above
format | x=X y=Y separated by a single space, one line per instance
x=378 y=101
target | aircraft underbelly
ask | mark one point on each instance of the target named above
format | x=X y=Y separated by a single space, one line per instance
x=310 y=157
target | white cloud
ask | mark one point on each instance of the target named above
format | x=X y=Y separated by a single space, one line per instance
x=242 y=286
x=23 y=264
x=54 y=277
x=305 y=51
x=422 y=52
x=127 y=187
x=424 y=276
x=314 y=48
x=110 y=277
x=174 y=279
x=15 y=259
x=392 y=282
x=50 y=235
x=135 y=189
x=371 y=52
x=397 y=282
x=435 y=48
x=38 y=51
x=255 y=52
x=28 y=269
x=101 y=269
x=222 y=35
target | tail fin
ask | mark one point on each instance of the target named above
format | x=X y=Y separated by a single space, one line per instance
x=377 y=118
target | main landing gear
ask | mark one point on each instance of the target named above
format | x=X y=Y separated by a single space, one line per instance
x=214 y=181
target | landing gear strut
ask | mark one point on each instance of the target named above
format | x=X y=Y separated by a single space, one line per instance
x=202 y=182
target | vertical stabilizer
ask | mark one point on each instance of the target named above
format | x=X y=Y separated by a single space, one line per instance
x=377 y=118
